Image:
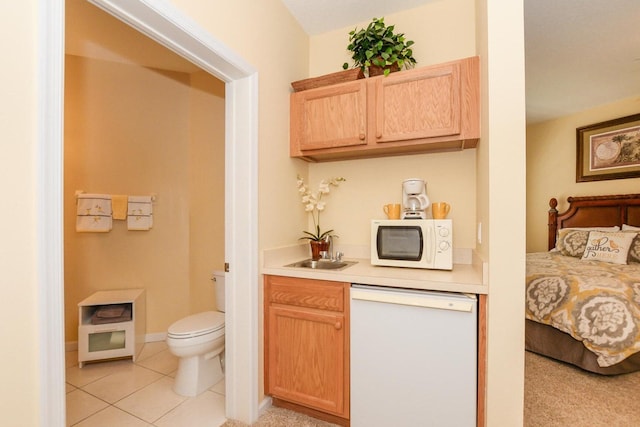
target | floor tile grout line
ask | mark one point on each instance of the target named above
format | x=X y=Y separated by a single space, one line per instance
x=114 y=404
x=108 y=375
x=104 y=409
x=152 y=423
x=134 y=415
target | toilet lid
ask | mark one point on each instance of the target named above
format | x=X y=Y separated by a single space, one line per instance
x=198 y=324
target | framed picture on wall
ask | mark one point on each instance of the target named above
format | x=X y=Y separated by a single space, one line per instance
x=609 y=150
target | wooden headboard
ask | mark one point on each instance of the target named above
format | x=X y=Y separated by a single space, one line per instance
x=594 y=211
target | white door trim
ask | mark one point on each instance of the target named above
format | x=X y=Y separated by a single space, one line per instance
x=169 y=27
x=49 y=195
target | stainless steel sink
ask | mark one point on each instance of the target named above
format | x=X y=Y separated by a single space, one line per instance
x=322 y=264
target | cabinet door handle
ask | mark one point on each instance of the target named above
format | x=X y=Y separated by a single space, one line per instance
x=338 y=325
x=362 y=136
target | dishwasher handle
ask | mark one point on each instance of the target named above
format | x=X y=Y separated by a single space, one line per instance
x=416 y=299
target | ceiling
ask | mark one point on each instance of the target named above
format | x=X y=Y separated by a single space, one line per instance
x=92 y=33
x=317 y=17
x=579 y=54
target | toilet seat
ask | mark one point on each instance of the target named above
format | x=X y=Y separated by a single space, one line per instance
x=197 y=325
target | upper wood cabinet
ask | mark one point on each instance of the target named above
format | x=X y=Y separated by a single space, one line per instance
x=332 y=116
x=435 y=108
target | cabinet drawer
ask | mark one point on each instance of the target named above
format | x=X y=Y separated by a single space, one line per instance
x=97 y=342
x=320 y=294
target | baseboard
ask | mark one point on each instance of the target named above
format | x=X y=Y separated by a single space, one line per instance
x=324 y=416
x=158 y=336
x=264 y=405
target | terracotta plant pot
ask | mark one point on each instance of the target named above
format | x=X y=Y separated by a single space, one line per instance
x=317 y=247
x=374 y=70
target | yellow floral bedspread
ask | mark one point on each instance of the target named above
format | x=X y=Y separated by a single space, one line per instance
x=595 y=302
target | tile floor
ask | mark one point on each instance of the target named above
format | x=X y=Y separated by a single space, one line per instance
x=127 y=394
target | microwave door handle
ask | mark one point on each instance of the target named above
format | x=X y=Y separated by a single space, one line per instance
x=430 y=245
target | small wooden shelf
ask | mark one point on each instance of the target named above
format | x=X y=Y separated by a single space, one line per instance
x=115 y=337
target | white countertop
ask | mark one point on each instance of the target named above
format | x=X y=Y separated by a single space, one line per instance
x=466 y=278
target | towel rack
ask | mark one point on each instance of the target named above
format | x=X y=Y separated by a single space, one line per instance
x=154 y=196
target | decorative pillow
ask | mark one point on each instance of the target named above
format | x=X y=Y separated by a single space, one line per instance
x=627 y=227
x=571 y=241
x=634 y=249
x=608 y=247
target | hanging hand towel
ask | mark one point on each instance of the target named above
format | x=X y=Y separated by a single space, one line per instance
x=140 y=213
x=119 y=205
x=93 y=213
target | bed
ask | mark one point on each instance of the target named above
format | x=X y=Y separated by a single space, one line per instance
x=583 y=295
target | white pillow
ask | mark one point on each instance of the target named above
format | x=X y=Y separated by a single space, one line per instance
x=627 y=227
x=608 y=247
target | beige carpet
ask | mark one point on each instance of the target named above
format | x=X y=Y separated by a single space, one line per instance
x=556 y=395
x=278 y=417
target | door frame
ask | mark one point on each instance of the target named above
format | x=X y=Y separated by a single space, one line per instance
x=168 y=26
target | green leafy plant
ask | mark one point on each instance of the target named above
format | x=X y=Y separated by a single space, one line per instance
x=378 y=45
x=313 y=203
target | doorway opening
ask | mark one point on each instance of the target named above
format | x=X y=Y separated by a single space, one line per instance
x=166 y=25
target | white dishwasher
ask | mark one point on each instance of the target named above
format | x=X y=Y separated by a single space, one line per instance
x=413 y=358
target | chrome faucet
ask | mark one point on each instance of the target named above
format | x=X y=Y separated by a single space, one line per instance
x=329 y=239
x=337 y=256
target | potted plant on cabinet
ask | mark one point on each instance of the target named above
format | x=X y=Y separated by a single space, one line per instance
x=378 y=50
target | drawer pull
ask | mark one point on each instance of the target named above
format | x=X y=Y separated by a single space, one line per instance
x=338 y=325
x=104 y=331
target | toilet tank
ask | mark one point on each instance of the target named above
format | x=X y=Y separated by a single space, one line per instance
x=218 y=285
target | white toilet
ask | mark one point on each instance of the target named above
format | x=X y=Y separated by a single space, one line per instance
x=198 y=342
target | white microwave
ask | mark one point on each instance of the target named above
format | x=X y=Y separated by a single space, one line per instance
x=416 y=243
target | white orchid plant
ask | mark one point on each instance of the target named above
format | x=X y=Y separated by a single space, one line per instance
x=313 y=203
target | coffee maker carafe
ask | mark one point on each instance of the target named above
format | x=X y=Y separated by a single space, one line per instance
x=414 y=199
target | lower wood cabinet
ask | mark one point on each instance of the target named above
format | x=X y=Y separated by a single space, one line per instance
x=307 y=346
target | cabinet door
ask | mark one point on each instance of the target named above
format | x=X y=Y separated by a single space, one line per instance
x=328 y=117
x=416 y=104
x=306 y=358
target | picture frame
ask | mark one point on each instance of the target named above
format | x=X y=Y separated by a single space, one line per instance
x=608 y=150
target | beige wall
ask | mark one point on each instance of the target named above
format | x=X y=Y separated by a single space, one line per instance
x=19 y=388
x=371 y=183
x=442 y=31
x=206 y=186
x=266 y=35
x=501 y=203
x=551 y=166
x=136 y=131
